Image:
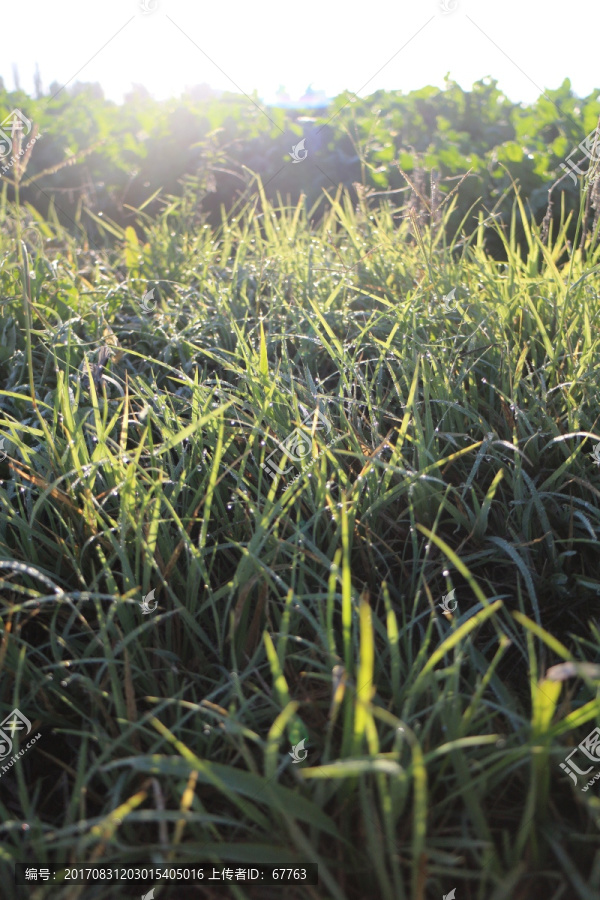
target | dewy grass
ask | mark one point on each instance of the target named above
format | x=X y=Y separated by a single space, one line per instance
x=302 y=609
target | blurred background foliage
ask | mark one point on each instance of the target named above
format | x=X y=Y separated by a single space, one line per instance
x=119 y=156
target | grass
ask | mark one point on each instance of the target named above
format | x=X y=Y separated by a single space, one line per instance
x=447 y=449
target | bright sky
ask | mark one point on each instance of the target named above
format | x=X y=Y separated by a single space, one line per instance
x=240 y=45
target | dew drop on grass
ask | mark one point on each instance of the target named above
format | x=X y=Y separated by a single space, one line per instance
x=445 y=573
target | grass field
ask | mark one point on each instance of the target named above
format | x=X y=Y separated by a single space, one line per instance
x=439 y=412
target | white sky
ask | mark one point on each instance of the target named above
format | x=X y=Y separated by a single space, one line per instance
x=237 y=44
